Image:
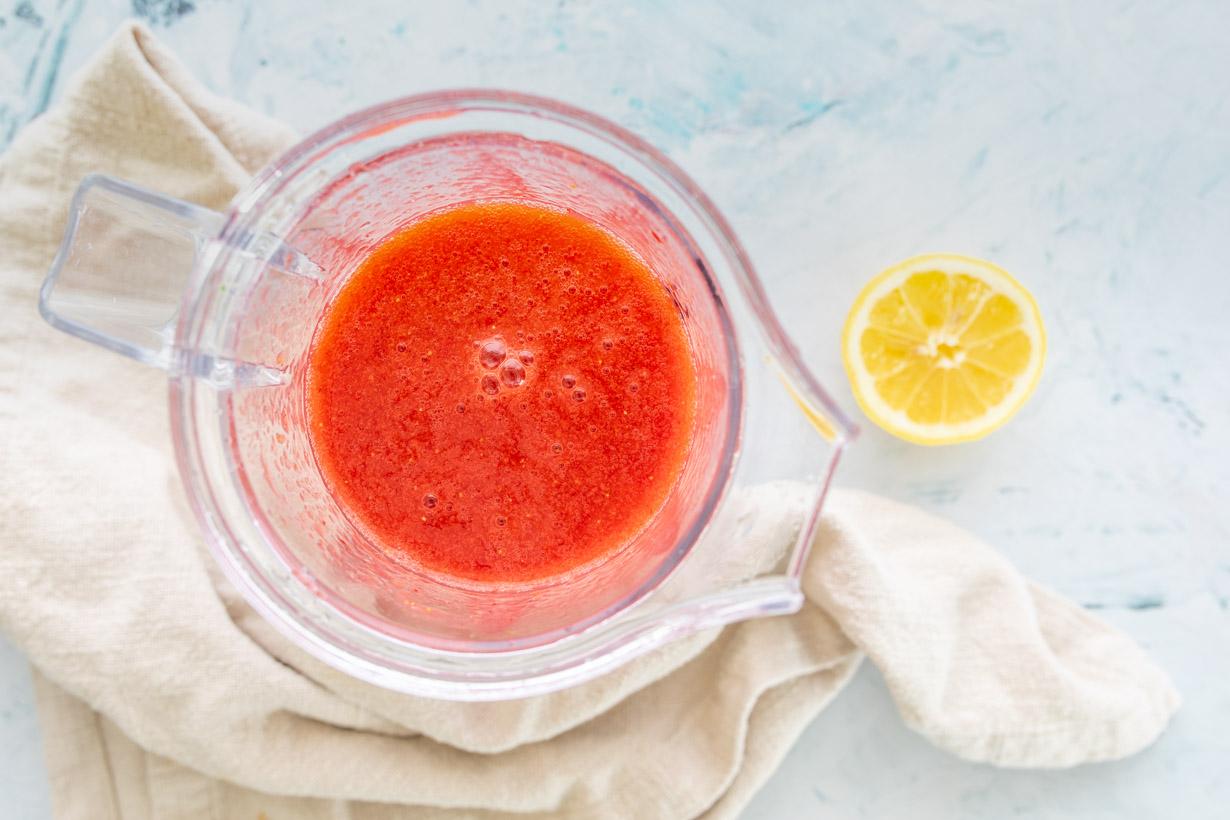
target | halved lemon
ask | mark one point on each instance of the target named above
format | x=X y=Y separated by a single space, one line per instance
x=943 y=348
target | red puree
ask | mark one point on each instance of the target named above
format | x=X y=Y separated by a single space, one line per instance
x=502 y=392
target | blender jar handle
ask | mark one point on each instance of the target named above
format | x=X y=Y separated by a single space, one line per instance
x=119 y=276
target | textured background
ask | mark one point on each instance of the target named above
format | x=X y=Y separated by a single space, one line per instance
x=1084 y=146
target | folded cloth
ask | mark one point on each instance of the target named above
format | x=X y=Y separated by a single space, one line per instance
x=162 y=695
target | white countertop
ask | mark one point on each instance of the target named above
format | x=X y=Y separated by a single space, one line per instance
x=1083 y=146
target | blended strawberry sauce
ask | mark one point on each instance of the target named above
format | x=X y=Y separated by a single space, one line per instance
x=502 y=392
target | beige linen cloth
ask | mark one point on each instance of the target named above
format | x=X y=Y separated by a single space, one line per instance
x=163 y=696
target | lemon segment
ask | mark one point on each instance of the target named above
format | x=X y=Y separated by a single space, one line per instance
x=943 y=348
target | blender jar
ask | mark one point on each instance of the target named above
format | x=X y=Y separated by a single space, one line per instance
x=228 y=305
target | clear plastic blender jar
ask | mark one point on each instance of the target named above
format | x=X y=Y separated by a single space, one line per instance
x=228 y=304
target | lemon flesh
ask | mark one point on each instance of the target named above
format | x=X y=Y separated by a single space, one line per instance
x=943 y=348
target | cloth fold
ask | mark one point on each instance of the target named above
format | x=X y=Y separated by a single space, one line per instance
x=162 y=695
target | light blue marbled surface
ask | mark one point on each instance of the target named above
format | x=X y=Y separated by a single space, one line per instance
x=1084 y=146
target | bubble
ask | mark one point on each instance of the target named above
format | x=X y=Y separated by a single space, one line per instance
x=490 y=385
x=632 y=388
x=607 y=344
x=578 y=395
x=557 y=448
x=569 y=381
x=606 y=370
x=430 y=501
x=512 y=373
x=548 y=393
x=401 y=347
x=593 y=428
x=491 y=353
x=624 y=309
x=503 y=261
x=501 y=521
x=461 y=408
x=526 y=357
x=572 y=288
